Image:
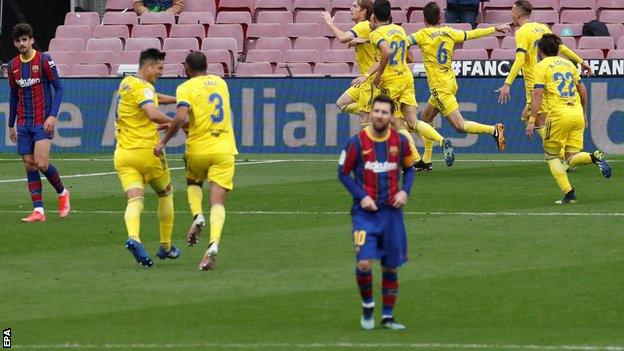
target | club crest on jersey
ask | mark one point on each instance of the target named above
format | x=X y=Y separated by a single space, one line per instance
x=35 y=68
x=393 y=150
x=380 y=167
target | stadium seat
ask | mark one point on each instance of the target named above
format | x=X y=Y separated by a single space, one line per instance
x=620 y=43
x=118 y=5
x=259 y=55
x=176 y=56
x=319 y=43
x=281 y=43
x=615 y=54
x=545 y=16
x=340 y=5
x=497 y=16
x=67 y=44
x=330 y=69
x=166 y=18
x=272 y=5
x=216 y=69
x=399 y=17
x=65 y=57
x=63 y=69
x=150 y=31
x=302 y=55
x=459 y=26
x=602 y=5
x=577 y=16
x=188 y=31
x=142 y=44
x=588 y=54
x=309 y=17
x=577 y=4
x=228 y=31
x=296 y=30
x=297 y=69
x=339 y=55
x=251 y=69
x=264 y=30
x=105 y=44
x=200 y=6
x=281 y=17
x=127 y=18
x=602 y=43
x=411 y=28
x=416 y=6
x=317 y=5
x=616 y=30
x=569 y=42
x=173 y=70
x=81 y=31
x=509 y=43
x=112 y=31
x=470 y=54
x=546 y=4
x=221 y=56
x=236 y=5
x=612 y=16
x=129 y=57
x=91 y=19
x=498 y=4
x=416 y=54
x=205 y=18
x=497 y=34
x=576 y=28
x=416 y=17
x=229 y=17
x=102 y=56
x=94 y=70
x=181 y=44
x=503 y=54
x=489 y=43
x=342 y=17
x=220 y=43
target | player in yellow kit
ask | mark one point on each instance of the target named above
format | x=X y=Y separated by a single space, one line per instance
x=437 y=44
x=210 y=148
x=137 y=134
x=361 y=11
x=527 y=37
x=559 y=92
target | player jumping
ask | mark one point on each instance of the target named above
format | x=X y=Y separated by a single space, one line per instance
x=210 y=148
x=559 y=92
x=32 y=76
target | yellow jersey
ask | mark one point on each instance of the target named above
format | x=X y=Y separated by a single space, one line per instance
x=210 y=115
x=527 y=37
x=134 y=130
x=558 y=77
x=437 y=45
x=364 y=53
x=395 y=36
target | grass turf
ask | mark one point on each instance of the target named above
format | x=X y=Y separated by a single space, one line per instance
x=285 y=280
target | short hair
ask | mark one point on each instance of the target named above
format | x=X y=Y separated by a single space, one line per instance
x=151 y=55
x=432 y=13
x=549 y=44
x=385 y=100
x=22 y=29
x=196 y=61
x=525 y=6
x=368 y=6
x=382 y=10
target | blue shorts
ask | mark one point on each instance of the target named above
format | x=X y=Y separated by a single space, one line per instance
x=380 y=235
x=28 y=135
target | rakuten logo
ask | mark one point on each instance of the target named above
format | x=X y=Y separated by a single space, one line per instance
x=25 y=83
x=380 y=167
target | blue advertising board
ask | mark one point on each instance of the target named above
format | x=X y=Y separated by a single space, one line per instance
x=298 y=115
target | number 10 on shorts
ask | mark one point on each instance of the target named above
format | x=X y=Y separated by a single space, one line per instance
x=359 y=238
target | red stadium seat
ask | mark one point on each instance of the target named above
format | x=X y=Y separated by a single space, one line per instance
x=264 y=30
x=602 y=43
x=95 y=70
x=220 y=56
x=577 y=4
x=612 y=16
x=319 y=43
x=118 y=5
x=411 y=28
x=309 y=17
x=546 y=4
x=497 y=34
x=112 y=31
x=166 y=18
x=281 y=43
x=302 y=55
x=577 y=16
x=188 y=31
x=235 y=5
x=340 y=5
x=416 y=54
x=142 y=44
x=545 y=16
x=470 y=54
x=81 y=31
x=509 y=43
x=67 y=44
x=569 y=42
x=459 y=26
x=228 y=31
x=129 y=57
x=616 y=30
x=127 y=18
x=64 y=57
x=398 y=17
x=258 y=55
x=228 y=17
x=324 y=30
x=503 y=54
x=329 y=69
x=104 y=56
x=416 y=17
x=615 y=54
x=318 y=5
x=173 y=70
x=181 y=44
x=576 y=28
x=272 y=5
x=342 y=17
x=176 y=56
x=296 y=30
x=149 y=31
x=220 y=43
x=497 y=16
x=339 y=55
x=91 y=19
x=196 y=18
x=111 y=44
x=253 y=68
x=281 y=17
x=620 y=43
x=498 y=4
x=489 y=43
x=200 y=6
x=588 y=54
x=416 y=6
x=297 y=69
x=602 y=5
x=216 y=69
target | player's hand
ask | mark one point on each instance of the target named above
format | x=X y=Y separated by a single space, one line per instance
x=327 y=18
x=503 y=28
x=377 y=81
x=48 y=125
x=368 y=204
x=158 y=149
x=358 y=81
x=13 y=135
x=164 y=126
x=356 y=41
x=503 y=94
x=529 y=129
x=400 y=199
x=586 y=69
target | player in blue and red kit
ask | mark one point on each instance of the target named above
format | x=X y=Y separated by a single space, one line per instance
x=33 y=107
x=377 y=156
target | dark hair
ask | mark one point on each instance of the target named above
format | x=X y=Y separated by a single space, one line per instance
x=368 y=6
x=22 y=29
x=196 y=61
x=151 y=55
x=549 y=44
x=525 y=6
x=382 y=10
x=386 y=100
x=432 y=13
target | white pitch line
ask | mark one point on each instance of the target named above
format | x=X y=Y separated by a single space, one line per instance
x=338 y=345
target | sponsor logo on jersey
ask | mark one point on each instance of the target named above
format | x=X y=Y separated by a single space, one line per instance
x=25 y=83
x=380 y=167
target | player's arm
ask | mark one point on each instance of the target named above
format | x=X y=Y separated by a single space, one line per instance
x=343 y=37
x=582 y=91
x=177 y=122
x=572 y=56
x=154 y=115
x=14 y=100
x=139 y=7
x=166 y=99
x=49 y=69
x=503 y=91
x=346 y=164
x=484 y=32
x=361 y=79
x=536 y=103
x=409 y=174
x=384 y=47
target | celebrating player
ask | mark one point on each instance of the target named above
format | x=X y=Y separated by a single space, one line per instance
x=437 y=44
x=210 y=148
x=527 y=37
x=138 y=118
x=377 y=156
x=558 y=90
x=32 y=76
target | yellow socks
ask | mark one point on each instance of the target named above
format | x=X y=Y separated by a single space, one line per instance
x=427 y=131
x=406 y=133
x=351 y=108
x=582 y=158
x=194 y=196
x=165 y=220
x=133 y=217
x=477 y=128
x=558 y=171
x=217 y=218
x=428 y=150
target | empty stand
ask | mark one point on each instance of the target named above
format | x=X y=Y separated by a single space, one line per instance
x=205 y=18
x=200 y=6
x=150 y=31
x=281 y=17
x=234 y=31
x=112 y=31
x=280 y=43
x=166 y=18
x=259 y=55
x=181 y=44
x=105 y=44
x=319 y=43
x=470 y=54
x=577 y=16
x=67 y=44
x=81 y=31
x=251 y=69
x=188 y=31
x=612 y=16
x=91 y=19
x=296 y=30
x=503 y=54
x=142 y=43
x=489 y=43
x=127 y=18
x=302 y=55
x=176 y=56
x=239 y=17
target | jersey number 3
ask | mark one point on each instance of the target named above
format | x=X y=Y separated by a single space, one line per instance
x=217 y=100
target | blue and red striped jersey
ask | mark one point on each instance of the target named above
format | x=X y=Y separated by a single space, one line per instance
x=376 y=164
x=31 y=83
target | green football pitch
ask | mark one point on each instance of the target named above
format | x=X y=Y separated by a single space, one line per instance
x=494 y=264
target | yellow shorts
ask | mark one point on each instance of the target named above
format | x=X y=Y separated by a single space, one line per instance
x=564 y=131
x=136 y=167
x=529 y=97
x=444 y=99
x=354 y=93
x=217 y=168
x=401 y=91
